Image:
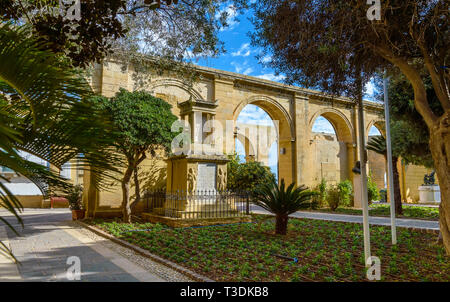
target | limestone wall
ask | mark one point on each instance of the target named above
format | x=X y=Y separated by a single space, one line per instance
x=411 y=178
x=377 y=166
x=331 y=160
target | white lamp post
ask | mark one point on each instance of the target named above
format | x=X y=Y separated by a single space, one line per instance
x=389 y=159
x=364 y=195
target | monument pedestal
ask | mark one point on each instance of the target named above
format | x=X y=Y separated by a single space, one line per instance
x=194 y=187
x=430 y=194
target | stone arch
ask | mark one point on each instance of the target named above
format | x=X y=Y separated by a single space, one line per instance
x=342 y=126
x=332 y=160
x=379 y=124
x=273 y=108
x=285 y=133
x=176 y=83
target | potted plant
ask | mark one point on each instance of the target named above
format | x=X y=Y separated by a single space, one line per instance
x=75 y=202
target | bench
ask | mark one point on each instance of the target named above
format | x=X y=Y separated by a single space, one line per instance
x=57 y=199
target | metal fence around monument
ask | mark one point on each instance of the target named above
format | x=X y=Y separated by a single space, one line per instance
x=198 y=204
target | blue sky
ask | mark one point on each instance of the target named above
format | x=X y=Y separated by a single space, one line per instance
x=240 y=56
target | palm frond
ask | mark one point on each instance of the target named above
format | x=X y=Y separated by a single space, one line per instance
x=45 y=111
x=377 y=144
x=282 y=200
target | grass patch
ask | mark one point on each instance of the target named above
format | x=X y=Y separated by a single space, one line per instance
x=383 y=210
x=326 y=251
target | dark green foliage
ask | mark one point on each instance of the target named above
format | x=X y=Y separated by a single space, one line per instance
x=345 y=193
x=410 y=134
x=282 y=201
x=143 y=126
x=143 y=121
x=247 y=176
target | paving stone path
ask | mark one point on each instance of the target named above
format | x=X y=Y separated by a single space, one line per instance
x=400 y=222
x=50 y=238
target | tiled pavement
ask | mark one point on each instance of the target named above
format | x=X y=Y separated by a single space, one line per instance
x=47 y=241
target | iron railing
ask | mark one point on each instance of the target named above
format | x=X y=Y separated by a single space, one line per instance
x=198 y=204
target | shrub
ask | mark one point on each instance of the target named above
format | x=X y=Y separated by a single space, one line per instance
x=345 y=193
x=333 y=198
x=247 y=176
x=282 y=201
x=372 y=190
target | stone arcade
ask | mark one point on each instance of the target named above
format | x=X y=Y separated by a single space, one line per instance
x=304 y=157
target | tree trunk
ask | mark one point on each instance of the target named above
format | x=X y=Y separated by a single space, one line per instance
x=126 y=209
x=137 y=190
x=440 y=150
x=397 y=192
x=281 y=223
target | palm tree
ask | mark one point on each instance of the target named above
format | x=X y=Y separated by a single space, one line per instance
x=44 y=111
x=282 y=201
x=378 y=145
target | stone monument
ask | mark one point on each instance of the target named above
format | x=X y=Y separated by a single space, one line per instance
x=429 y=192
x=195 y=180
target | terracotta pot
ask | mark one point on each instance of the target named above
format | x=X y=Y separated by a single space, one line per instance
x=77 y=214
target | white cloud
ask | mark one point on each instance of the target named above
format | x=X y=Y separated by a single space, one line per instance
x=322 y=125
x=254 y=115
x=248 y=71
x=242 y=68
x=244 y=51
x=266 y=59
x=272 y=77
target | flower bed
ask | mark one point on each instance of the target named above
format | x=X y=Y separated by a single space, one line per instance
x=326 y=251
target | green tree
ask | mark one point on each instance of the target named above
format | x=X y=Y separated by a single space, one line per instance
x=407 y=125
x=247 y=176
x=44 y=112
x=378 y=145
x=143 y=123
x=335 y=46
x=165 y=28
x=282 y=201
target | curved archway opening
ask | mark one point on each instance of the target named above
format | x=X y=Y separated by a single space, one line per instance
x=257 y=137
x=331 y=148
x=377 y=162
